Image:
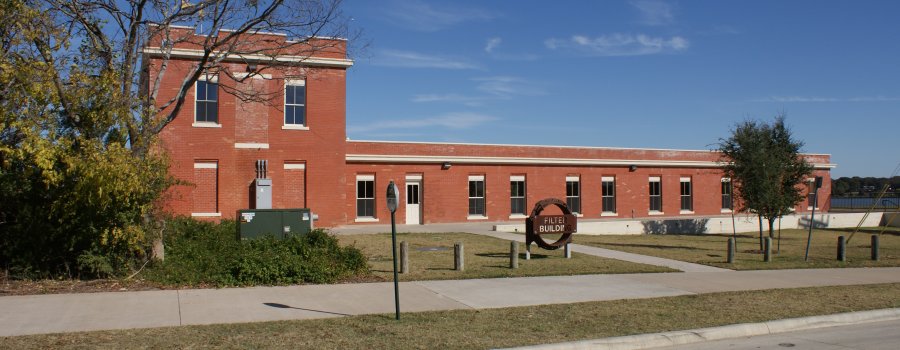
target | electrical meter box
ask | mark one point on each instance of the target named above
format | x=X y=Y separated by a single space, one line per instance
x=279 y=223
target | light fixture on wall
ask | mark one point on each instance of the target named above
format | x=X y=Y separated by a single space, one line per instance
x=445 y=166
x=632 y=167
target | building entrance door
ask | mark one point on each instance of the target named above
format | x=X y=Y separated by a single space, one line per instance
x=413 y=199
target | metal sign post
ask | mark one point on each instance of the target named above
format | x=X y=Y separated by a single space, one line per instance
x=392 y=194
x=812 y=217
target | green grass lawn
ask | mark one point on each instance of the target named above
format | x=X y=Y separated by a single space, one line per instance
x=711 y=249
x=431 y=258
x=490 y=328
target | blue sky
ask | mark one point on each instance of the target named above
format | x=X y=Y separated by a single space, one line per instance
x=645 y=74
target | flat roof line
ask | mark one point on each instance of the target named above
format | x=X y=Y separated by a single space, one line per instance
x=551 y=146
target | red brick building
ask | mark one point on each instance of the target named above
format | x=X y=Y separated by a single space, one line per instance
x=214 y=144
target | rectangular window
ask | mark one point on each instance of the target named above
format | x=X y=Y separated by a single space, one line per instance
x=517 y=195
x=655 y=195
x=295 y=103
x=573 y=194
x=727 y=200
x=608 y=194
x=810 y=195
x=476 y=195
x=687 y=200
x=207 y=108
x=365 y=196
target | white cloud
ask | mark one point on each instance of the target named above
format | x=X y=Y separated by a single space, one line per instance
x=618 y=44
x=492 y=88
x=471 y=101
x=409 y=59
x=453 y=120
x=421 y=16
x=803 y=99
x=654 y=12
x=506 y=86
x=492 y=43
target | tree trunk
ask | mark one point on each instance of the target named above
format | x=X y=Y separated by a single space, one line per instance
x=761 y=246
x=772 y=227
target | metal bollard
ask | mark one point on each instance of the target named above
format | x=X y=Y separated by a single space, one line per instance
x=404 y=257
x=842 y=249
x=731 y=250
x=874 y=247
x=513 y=255
x=458 y=262
x=767 y=257
x=568 y=251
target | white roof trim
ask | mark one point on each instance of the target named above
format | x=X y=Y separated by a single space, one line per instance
x=379 y=158
x=552 y=146
x=305 y=60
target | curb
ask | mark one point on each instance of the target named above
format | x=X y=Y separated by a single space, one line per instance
x=654 y=340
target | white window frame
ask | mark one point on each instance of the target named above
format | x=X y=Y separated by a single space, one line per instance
x=657 y=179
x=576 y=179
x=482 y=216
x=524 y=196
x=730 y=195
x=293 y=126
x=206 y=124
x=811 y=186
x=603 y=211
x=366 y=178
x=681 y=195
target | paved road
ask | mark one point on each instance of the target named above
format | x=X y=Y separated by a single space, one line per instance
x=866 y=336
x=35 y=314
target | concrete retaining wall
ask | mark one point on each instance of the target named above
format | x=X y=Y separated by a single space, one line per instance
x=714 y=224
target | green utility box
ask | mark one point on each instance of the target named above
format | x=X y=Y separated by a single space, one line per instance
x=280 y=223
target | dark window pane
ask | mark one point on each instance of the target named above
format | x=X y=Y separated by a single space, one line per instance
x=289 y=95
x=300 y=95
x=201 y=90
x=212 y=91
x=300 y=115
x=212 y=114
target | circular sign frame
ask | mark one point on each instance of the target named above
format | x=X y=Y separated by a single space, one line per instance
x=531 y=236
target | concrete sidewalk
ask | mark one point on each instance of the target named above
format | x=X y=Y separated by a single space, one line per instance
x=38 y=314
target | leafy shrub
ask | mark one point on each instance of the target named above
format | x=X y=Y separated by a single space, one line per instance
x=207 y=253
